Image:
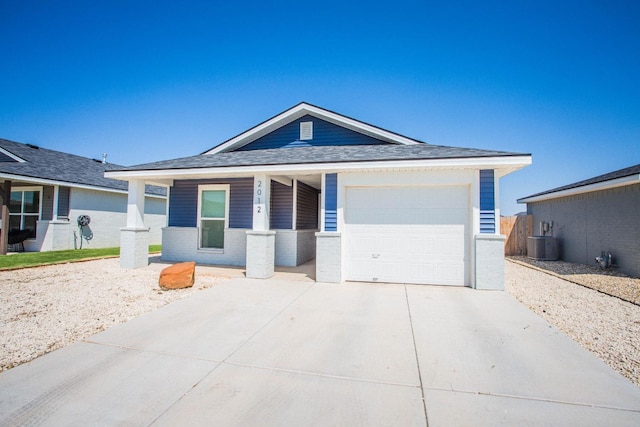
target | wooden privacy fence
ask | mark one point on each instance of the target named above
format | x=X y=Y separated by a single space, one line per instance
x=517 y=229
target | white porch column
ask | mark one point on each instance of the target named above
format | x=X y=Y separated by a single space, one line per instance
x=261 y=241
x=56 y=196
x=134 y=238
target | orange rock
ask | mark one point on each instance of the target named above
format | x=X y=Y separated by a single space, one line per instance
x=178 y=276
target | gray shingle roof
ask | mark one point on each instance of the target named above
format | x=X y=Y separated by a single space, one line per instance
x=621 y=173
x=54 y=165
x=331 y=154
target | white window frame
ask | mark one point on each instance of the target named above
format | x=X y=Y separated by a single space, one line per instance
x=22 y=214
x=212 y=187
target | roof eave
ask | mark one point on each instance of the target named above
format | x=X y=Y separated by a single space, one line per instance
x=503 y=164
x=44 y=181
x=603 y=185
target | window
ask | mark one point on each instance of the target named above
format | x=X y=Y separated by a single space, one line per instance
x=24 y=209
x=213 y=214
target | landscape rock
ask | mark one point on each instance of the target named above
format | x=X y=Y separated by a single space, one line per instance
x=178 y=276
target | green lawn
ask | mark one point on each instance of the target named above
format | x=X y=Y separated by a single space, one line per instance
x=34 y=259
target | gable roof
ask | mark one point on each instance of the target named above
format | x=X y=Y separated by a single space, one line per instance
x=625 y=176
x=28 y=162
x=303 y=109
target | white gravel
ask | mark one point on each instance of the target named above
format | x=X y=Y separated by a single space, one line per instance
x=604 y=325
x=46 y=308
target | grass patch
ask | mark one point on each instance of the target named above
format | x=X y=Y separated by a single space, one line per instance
x=35 y=259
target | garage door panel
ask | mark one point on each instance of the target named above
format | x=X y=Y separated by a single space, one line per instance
x=408 y=235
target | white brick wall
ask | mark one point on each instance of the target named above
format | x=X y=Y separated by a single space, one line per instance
x=260 y=254
x=134 y=248
x=328 y=257
x=306 y=246
x=489 y=259
x=181 y=244
x=286 y=248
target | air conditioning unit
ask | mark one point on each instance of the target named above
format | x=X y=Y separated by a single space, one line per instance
x=542 y=248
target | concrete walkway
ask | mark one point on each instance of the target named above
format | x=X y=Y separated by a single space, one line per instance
x=288 y=353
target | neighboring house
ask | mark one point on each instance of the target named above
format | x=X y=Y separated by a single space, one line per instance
x=51 y=189
x=594 y=215
x=368 y=204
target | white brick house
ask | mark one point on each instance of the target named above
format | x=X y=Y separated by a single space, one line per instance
x=48 y=190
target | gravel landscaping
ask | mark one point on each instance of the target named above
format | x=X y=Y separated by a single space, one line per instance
x=607 y=326
x=46 y=308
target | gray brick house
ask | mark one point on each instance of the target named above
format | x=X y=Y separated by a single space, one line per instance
x=594 y=215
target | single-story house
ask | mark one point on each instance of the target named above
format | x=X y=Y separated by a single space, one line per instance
x=49 y=190
x=368 y=204
x=595 y=215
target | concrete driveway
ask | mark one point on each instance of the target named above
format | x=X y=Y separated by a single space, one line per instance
x=285 y=353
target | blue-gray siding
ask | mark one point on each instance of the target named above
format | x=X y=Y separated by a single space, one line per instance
x=281 y=206
x=307 y=210
x=63 y=202
x=183 y=202
x=331 y=202
x=324 y=134
x=47 y=203
x=487 y=202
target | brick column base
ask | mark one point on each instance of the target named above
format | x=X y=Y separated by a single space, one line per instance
x=134 y=247
x=489 y=261
x=328 y=257
x=261 y=254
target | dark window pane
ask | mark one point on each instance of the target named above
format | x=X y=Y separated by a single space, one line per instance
x=31 y=202
x=212 y=232
x=30 y=224
x=15 y=203
x=14 y=223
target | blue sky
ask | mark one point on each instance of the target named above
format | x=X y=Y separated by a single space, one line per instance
x=147 y=81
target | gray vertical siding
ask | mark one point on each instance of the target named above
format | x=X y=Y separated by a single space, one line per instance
x=324 y=134
x=63 y=202
x=307 y=209
x=47 y=203
x=183 y=202
x=281 y=216
x=331 y=202
x=587 y=224
x=487 y=202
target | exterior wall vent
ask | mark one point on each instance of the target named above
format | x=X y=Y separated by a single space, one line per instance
x=306 y=131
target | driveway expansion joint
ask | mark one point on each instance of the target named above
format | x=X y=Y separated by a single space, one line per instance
x=537 y=399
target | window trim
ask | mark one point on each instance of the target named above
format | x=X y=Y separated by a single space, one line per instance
x=212 y=187
x=22 y=189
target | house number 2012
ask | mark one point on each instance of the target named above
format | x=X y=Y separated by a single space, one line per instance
x=258 y=194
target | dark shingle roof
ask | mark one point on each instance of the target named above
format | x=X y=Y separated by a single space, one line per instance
x=621 y=173
x=330 y=154
x=54 y=165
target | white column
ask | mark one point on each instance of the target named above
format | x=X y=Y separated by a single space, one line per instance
x=261 y=202
x=261 y=241
x=323 y=193
x=56 y=195
x=134 y=238
x=135 y=204
x=294 y=213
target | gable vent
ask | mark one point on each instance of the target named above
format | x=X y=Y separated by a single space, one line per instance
x=306 y=131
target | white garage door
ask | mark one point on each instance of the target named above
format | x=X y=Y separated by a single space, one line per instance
x=408 y=234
